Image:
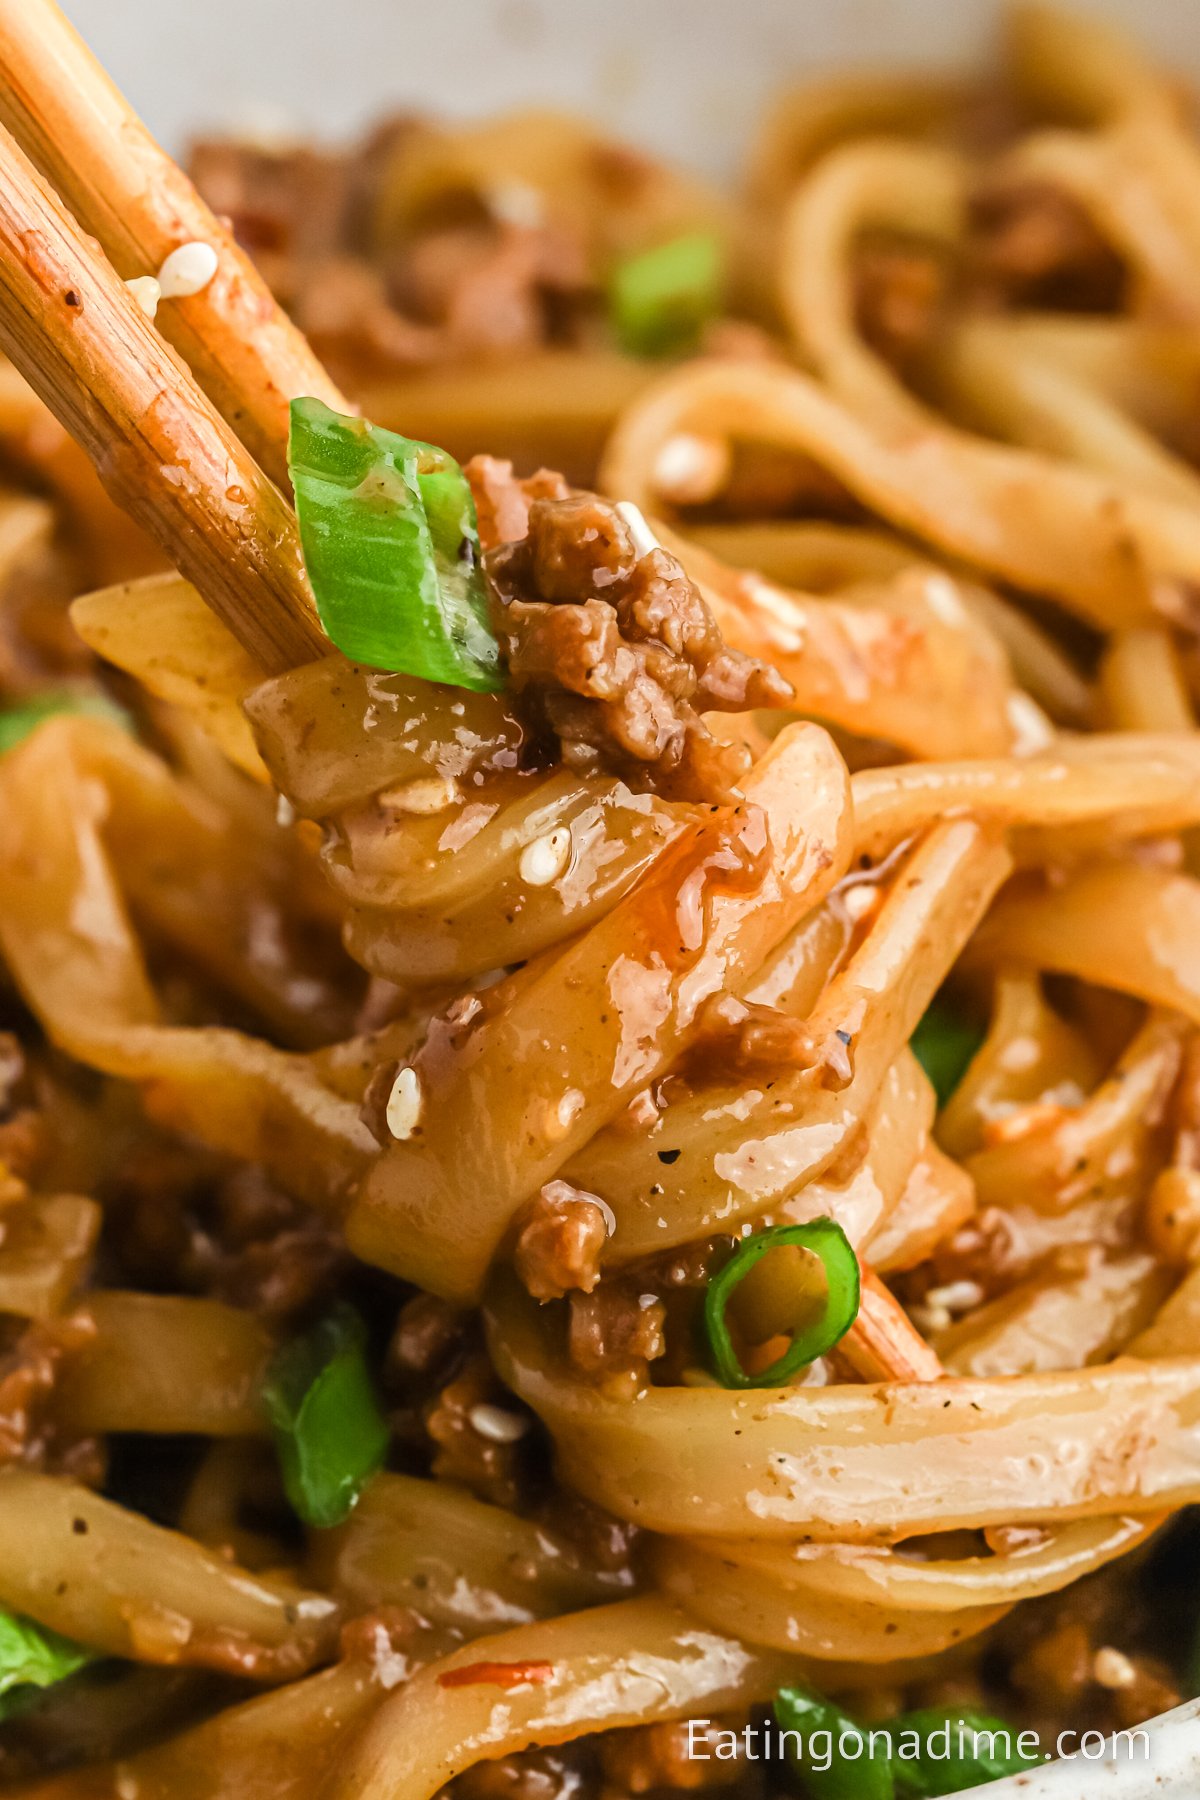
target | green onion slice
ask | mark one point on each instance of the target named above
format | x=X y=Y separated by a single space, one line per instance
x=24 y=716
x=828 y=1770
x=660 y=301
x=391 y=545
x=826 y=1241
x=32 y=1657
x=944 y=1044
x=956 y=1748
x=330 y=1434
x=915 y=1756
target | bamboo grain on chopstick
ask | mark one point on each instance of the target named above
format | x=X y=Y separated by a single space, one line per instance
x=72 y=122
x=77 y=335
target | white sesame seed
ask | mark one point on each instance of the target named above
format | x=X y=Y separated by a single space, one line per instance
x=644 y=540
x=569 y=1107
x=1112 y=1668
x=500 y=1426
x=146 y=292
x=942 y=596
x=690 y=469
x=546 y=858
x=956 y=1296
x=285 y=812
x=930 y=1318
x=187 y=270
x=1032 y=730
x=863 y=898
x=516 y=203
x=423 y=797
x=404 y=1104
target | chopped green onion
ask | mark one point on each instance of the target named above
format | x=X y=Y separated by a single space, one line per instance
x=956 y=1748
x=661 y=300
x=31 y=1657
x=824 y=1240
x=24 y=716
x=944 y=1044
x=916 y=1756
x=391 y=546
x=330 y=1434
x=828 y=1770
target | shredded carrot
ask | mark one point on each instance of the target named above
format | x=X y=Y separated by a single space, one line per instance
x=498 y=1674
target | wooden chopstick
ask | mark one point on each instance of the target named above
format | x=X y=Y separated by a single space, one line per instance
x=166 y=455
x=68 y=117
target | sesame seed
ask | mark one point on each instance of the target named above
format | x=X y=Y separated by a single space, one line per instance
x=930 y=1318
x=146 y=292
x=187 y=271
x=285 y=812
x=863 y=898
x=404 y=1104
x=546 y=858
x=942 y=597
x=956 y=1296
x=569 y=1107
x=689 y=469
x=423 y=797
x=516 y=203
x=495 y=1423
x=644 y=540
x=1032 y=731
x=1112 y=1668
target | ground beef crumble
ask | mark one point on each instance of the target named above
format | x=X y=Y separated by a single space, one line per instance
x=429 y=1338
x=596 y=1539
x=901 y=291
x=393 y=1640
x=29 y=1364
x=613 y=644
x=493 y=1470
x=533 y=1775
x=230 y=1234
x=643 y=1758
x=1036 y=246
x=616 y=1331
x=370 y=300
x=559 y=1240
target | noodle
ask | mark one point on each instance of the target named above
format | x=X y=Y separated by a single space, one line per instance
x=638 y=1145
x=431 y=1730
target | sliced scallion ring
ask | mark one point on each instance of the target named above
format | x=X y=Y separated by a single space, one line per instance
x=826 y=1241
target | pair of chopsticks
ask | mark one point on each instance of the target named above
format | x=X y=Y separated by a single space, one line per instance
x=185 y=419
